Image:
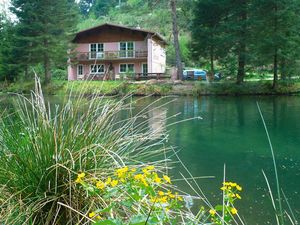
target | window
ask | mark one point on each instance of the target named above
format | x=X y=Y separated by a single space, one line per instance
x=145 y=69
x=79 y=70
x=126 y=49
x=126 y=68
x=96 y=51
x=96 y=69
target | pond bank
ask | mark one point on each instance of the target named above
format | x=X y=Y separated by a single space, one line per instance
x=157 y=88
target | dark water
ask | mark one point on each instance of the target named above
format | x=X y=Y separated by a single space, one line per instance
x=231 y=133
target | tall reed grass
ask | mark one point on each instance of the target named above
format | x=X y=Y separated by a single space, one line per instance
x=44 y=147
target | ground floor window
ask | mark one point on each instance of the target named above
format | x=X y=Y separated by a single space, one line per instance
x=98 y=68
x=127 y=68
x=80 y=70
x=145 y=68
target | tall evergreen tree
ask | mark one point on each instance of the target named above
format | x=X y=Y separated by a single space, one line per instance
x=277 y=28
x=44 y=31
x=208 y=30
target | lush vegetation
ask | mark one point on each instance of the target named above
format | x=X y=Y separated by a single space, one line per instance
x=70 y=165
x=234 y=38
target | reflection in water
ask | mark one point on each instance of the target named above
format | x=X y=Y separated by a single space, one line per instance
x=232 y=133
x=157 y=121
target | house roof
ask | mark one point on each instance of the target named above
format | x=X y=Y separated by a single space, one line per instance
x=154 y=34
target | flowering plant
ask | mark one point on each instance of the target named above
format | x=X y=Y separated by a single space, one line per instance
x=227 y=210
x=132 y=195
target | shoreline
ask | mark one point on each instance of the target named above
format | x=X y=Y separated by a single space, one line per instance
x=157 y=88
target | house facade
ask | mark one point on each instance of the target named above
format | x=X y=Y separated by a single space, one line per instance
x=111 y=51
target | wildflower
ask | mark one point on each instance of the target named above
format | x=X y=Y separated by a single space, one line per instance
x=99 y=217
x=163 y=199
x=223 y=188
x=133 y=170
x=167 y=179
x=81 y=175
x=170 y=194
x=161 y=193
x=100 y=185
x=150 y=168
x=78 y=180
x=156 y=179
x=239 y=188
x=146 y=171
x=92 y=214
x=212 y=212
x=233 y=211
x=114 y=183
x=238 y=196
x=108 y=181
x=121 y=172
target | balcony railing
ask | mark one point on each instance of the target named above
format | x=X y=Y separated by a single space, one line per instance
x=111 y=55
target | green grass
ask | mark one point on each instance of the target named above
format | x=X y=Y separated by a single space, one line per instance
x=42 y=149
x=121 y=88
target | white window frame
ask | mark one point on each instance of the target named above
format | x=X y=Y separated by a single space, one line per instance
x=97 y=50
x=92 y=65
x=80 y=75
x=126 y=57
x=126 y=67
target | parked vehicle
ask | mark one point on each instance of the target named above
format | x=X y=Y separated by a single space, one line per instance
x=194 y=74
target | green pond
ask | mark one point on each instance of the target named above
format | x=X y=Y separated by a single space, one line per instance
x=231 y=133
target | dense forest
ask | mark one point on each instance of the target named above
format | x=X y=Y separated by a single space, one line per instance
x=236 y=38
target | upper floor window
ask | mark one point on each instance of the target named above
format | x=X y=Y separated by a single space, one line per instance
x=96 y=51
x=127 y=49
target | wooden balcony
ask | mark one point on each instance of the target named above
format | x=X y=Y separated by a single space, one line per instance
x=109 y=55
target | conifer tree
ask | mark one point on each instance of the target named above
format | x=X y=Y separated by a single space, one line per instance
x=44 y=32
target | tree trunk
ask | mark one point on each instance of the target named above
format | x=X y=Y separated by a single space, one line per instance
x=275 y=57
x=283 y=69
x=242 y=44
x=176 y=41
x=212 y=67
x=275 y=76
x=241 y=66
x=47 y=69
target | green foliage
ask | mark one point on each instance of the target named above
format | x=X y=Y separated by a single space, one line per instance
x=43 y=32
x=42 y=148
x=133 y=195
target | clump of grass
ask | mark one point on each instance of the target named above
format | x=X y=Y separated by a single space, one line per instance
x=43 y=147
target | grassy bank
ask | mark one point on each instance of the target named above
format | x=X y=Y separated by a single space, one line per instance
x=159 y=88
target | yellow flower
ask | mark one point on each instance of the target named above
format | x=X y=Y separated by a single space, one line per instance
x=167 y=179
x=170 y=194
x=163 y=199
x=233 y=184
x=133 y=170
x=156 y=178
x=239 y=188
x=232 y=195
x=150 y=168
x=161 y=193
x=238 y=196
x=92 y=214
x=81 y=175
x=138 y=177
x=107 y=182
x=78 y=180
x=145 y=171
x=100 y=185
x=233 y=211
x=212 y=212
x=223 y=188
x=114 y=183
x=122 y=171
x=99 y=217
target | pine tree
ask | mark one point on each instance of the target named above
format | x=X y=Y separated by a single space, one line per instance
x=44 y=31
x=208 y=30
x=278 y=39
